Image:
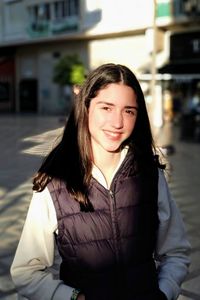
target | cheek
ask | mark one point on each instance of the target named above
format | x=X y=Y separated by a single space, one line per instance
x=96 y=120
x=130 y=125
x=93 y=122
x=90 y=123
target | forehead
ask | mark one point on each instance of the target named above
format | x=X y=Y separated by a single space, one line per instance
x=116 y=92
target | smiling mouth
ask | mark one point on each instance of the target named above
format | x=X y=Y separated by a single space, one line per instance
x=113 y=135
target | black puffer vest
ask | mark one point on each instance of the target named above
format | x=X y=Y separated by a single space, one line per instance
x=108 y=253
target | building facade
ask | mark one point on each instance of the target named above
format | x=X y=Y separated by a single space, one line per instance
x=35 y=34
x=181 y=21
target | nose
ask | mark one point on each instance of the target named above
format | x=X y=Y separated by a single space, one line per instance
x=117 y=120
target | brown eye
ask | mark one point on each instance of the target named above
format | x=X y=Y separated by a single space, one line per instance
x=130 y=112
x=106 y=108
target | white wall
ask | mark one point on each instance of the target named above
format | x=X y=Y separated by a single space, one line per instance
x=118 y=15
x=131 y=51
x=15 y=16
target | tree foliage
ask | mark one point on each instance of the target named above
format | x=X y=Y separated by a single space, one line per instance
x=69 y=70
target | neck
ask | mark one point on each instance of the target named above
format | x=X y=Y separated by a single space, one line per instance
x=107 y=163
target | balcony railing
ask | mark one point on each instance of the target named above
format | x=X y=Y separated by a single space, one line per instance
x=176 y=10
x=42 y=28
x=38 y=28
x=67 y=24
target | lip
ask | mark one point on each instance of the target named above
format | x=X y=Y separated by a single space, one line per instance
x=113 y=134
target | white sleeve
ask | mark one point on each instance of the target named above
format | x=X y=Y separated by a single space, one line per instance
x=34 y=261
x=173 y=247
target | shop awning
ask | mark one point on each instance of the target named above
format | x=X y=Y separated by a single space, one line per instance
x=180 y=68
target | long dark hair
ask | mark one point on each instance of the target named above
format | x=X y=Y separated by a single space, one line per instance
x=71 y=160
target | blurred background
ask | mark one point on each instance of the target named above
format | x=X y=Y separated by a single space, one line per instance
x=47 y=48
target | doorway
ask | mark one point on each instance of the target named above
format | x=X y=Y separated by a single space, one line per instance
x=28 y=95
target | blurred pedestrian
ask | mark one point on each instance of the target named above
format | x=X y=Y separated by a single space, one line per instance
x=101 y=210
x=76 y=89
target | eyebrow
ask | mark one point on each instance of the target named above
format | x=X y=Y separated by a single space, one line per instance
x=111 y=104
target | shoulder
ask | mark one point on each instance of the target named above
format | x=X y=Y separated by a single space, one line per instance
x=42 y=198
x=162 y=182
x=166 y=203
x=42 y=208
x=57 y=190
x=162 y=176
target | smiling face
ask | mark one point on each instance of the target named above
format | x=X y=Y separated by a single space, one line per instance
x=112 y=117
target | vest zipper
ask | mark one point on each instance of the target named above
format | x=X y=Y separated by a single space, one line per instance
x=114 y=224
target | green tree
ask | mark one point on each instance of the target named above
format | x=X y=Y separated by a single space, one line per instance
x=69 y=70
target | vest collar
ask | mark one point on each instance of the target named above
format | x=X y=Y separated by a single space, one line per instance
x=98 y=175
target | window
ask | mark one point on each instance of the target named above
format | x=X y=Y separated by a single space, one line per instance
x=192 y=7
x=65 y=8
x=40 y=12
x=61 y=9
x=53 y=17
x=44 y=11
x=73 y=7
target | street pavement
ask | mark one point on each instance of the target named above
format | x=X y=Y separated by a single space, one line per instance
x=25 y=139
x=184 y=183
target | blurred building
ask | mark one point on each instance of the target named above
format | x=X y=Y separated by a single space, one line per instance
x=34 y=34
x=180 y=20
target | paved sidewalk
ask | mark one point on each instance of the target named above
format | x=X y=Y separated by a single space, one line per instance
x=184 y=182
x=25 y=140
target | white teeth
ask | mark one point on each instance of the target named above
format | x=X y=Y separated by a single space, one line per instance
x=113 y=134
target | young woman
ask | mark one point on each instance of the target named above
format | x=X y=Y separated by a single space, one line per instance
x=101 y=210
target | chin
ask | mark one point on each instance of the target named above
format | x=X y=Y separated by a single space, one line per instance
x=112 y=149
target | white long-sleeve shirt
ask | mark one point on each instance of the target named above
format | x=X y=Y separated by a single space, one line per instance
x=36 y=263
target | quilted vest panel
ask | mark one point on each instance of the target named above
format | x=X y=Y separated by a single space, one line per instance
x=108 y=253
